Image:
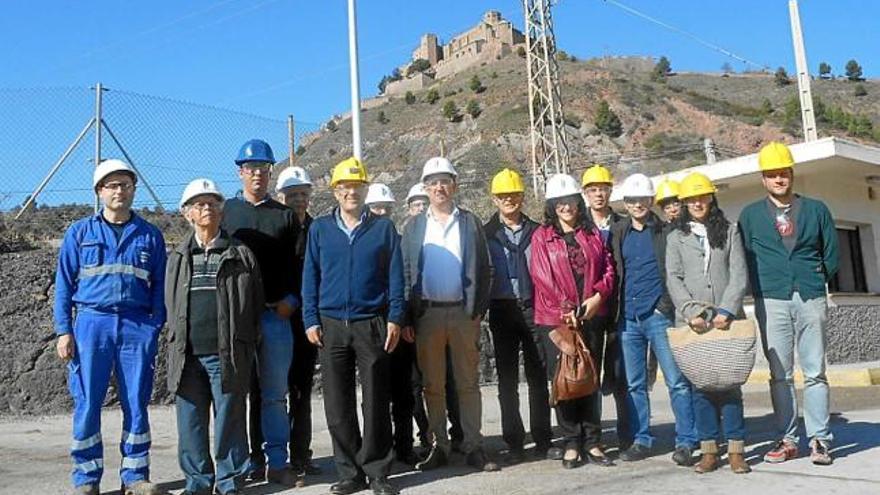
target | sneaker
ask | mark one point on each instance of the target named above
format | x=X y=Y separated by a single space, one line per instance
x=636 y=452
x=683 y=456
x=820 y=453
x=783 y=450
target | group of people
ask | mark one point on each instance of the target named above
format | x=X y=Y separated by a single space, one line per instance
x=259 y=291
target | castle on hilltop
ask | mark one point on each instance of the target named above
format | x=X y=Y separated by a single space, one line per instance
x=491 y=39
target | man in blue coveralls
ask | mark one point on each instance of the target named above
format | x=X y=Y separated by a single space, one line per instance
x=109 y=309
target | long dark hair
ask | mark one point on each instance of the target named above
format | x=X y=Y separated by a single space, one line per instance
x=716 y=224
x=584 y=219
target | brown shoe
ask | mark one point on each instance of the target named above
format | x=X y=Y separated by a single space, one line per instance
x=736 y=457
x=709 y=459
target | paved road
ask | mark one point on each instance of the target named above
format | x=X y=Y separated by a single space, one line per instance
x=33 y=457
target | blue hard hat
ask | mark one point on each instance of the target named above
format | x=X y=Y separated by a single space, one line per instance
x=255 y=150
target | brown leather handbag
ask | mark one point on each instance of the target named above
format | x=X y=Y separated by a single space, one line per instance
x=576 y=374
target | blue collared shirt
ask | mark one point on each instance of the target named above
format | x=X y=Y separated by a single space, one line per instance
x=344 y=228
x=642 y=284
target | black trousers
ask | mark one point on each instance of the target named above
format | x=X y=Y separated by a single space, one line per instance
x=513 y=330
x=350 y=346
x=403 y=400
x=456 y=434
x=300 y=381
x=614 y=380
x=579 y=420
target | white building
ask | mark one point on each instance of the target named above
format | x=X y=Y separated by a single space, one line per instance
x=843 y=174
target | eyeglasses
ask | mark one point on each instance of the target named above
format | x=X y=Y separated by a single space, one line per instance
x=206 y=205
x=118 y=186
x=254 y=168
x=637 y=201
x=349 y=187
x=597 y=189
x=444 y=181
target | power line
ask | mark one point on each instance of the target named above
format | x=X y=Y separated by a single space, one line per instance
x=708 y=44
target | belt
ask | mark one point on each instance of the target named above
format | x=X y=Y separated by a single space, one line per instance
x=442 y=304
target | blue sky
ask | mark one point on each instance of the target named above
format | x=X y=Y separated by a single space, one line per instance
x=272 y=58
x=276 y=57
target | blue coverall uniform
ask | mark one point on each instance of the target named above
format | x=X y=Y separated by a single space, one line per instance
x=109 y=295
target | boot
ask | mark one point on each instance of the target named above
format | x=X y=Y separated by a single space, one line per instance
x=735 y=451
x=709 y=459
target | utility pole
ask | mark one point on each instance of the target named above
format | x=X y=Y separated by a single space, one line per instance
x=709 y=150
x=803 y=74
x=290 y=140
x=546 y=121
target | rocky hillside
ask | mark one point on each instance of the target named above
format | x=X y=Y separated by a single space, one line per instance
x=663 y=122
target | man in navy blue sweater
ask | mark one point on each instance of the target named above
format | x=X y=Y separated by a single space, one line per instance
x=353 y=306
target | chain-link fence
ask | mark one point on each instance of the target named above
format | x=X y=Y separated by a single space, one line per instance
x=170 y=142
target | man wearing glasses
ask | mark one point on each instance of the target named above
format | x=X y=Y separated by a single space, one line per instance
x=353 y=307
x=597 y=184
x=448 y=280
x=212 y=292
x=270 y=230
x=644 y=313
x=110 y=275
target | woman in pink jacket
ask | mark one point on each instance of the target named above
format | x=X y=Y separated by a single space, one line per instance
x=572 y=268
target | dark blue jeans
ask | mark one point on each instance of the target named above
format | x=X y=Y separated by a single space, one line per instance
x=200 y=387
x=726 y=405
x=636 y=336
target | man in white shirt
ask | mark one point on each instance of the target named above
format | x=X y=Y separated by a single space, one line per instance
x=448 y=278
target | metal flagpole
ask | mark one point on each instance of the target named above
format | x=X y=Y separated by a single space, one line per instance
x=355 y=81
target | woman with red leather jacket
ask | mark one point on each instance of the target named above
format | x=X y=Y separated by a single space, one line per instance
x=572 y=268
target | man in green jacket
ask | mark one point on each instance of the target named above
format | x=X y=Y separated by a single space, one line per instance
x=791 y=249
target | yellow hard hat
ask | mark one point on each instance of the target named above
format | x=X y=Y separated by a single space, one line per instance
x=695 y=184
x=597 y=174
x=507 y=181
x=775 y=156
x=666 y=189
x=351 y=170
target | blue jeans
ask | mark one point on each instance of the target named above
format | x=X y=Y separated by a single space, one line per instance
x=200 y=387
x=728 y=405
x=274 y=358
x=784 y=325
x=635 y=337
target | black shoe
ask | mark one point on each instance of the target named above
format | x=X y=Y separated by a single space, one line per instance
x=683 y=456
x=306 y=467
x=555 y=454
x=455 y=446
x=347 y=487
x=477 y=459
x=636 y=452
x=515 y=456
x=380 y=486
x=409 y=458
x=599 y=460
x=436 y=458
x=258 y=473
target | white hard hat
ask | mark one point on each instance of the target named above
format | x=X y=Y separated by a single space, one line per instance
x=438 y=165
x=108 y=167
x=560 y=186
x=292 y=176
x=379 y=193
x=416 y=191
x=199 y=187
x=637 y=186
